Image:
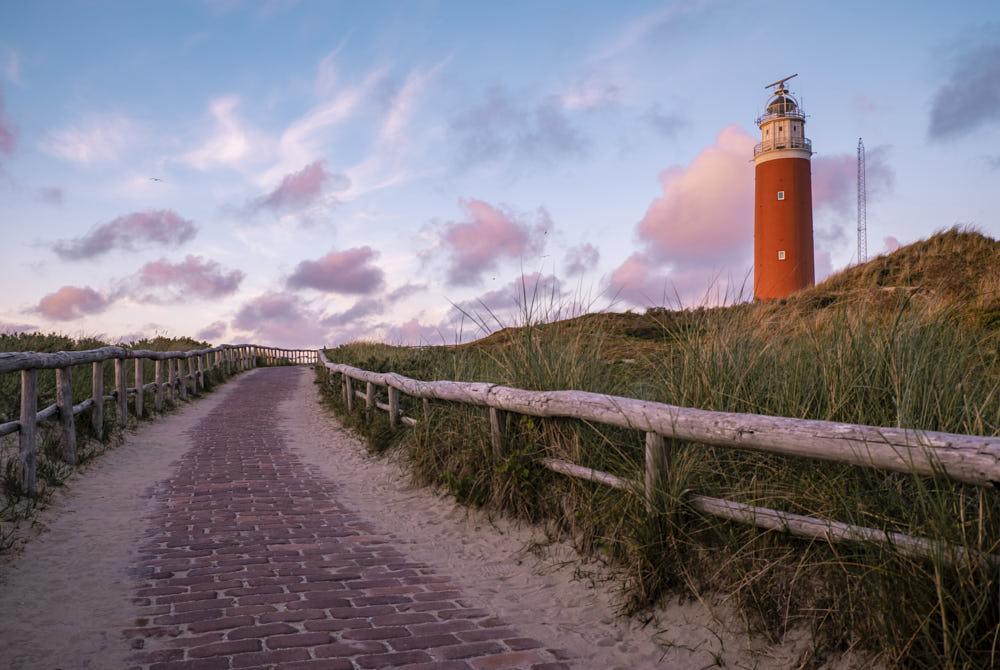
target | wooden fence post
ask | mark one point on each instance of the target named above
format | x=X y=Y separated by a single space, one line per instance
x=121 y=386
x=393 y=407
x=158 y=392
x=496 y=432
x=349 y=393
x=29 y=409
x=171 y=380
x=64 y=399
x=139 y=395
x=657 y=462
x=97 y=395
x=369 y=397
x=201 y=372
x=181 y=379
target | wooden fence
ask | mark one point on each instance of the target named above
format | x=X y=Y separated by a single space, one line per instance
x=175 y=372
x=963 y=458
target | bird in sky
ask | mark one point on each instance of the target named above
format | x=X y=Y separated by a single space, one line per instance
x=155 y=179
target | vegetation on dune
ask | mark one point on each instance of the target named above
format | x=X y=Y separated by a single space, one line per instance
x=15 y=504
x=910 y=339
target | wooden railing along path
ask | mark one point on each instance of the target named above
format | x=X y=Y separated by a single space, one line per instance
x=963 y=458
x=169 y=374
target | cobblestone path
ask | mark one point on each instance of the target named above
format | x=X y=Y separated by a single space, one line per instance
x=251 y=562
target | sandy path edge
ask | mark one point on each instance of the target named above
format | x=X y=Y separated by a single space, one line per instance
x=487 y=557
x=66 y=598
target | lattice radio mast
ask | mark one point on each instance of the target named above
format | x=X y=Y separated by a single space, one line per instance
x=862 y=205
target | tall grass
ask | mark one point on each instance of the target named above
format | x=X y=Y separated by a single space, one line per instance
x=893 y=361
x=15 y=505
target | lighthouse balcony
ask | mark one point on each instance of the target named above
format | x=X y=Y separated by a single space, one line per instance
x=783 y=143
x=781 y=112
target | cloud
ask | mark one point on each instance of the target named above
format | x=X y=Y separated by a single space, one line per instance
x=487 y=236
x=581 y=259
x=9 y=328
x=591 y=93
x=213 y=332
x=72 y=302
x=501 y=129
x=699 y=229
x=12 y=66
x=301 y=189
x=414 y=333
x=368 y=307
x=970 y=98
x=232 y=140
x=281 y=319
x=362 y=308
x=7 y=135
x=891 y=244
x=98 y=139
x=129 y=232
x=705 y=214
x=350 y=272
x=698 y=235
x=667 y=124
x=52 y=195
x=193 y=278
x=835 y=179
x=532 y=293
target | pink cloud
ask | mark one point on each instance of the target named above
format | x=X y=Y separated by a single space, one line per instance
x=835 y=179
x=72 y=302
x=698 y=235
x=7 y=138
x=488 y=236
x=350 y=271
x=302 y=188
x=581 y=259
x=703 y=214
x=280 y=319
x=891 y=244
x=162 y=227
x=194 y=277
x=212 y=332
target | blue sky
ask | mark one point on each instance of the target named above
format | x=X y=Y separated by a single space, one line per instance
x=339 y=170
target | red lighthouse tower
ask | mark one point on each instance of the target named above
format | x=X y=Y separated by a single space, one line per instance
x=782 y=227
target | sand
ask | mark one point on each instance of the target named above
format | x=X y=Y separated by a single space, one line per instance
x=488 y=557
x=66 y=598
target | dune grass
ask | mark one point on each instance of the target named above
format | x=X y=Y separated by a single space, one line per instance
x=921 y=356
x=15 y=505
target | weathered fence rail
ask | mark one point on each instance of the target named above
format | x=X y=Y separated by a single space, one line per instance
x=963 y=458
x=185 y=370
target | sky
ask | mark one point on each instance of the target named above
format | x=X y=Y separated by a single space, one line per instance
x=307 y=173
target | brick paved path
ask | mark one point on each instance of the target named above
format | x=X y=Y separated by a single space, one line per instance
x=250 y=562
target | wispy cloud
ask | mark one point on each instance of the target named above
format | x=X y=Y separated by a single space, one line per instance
x=213 y=332
x=970 y=98
x=12 y=66
x=519 y=135
x=52 y=195
x=581 y=259
x=98 y=139
x=232 y=141
x=129 y=232
x=7 y=136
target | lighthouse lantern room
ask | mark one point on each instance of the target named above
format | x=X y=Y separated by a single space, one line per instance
x=783 y=230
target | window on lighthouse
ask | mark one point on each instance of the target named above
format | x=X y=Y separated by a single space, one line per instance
x=781 y=195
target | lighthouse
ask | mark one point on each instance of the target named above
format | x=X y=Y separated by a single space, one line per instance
x=782 y=226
